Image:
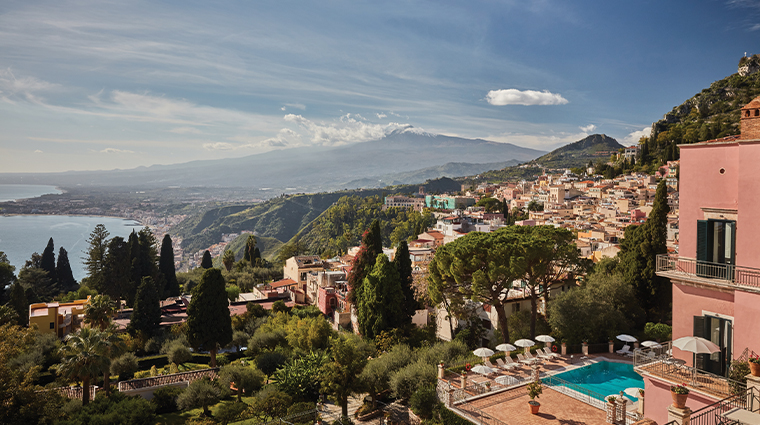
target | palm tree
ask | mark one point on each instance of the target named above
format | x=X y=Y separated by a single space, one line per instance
x=99 y=311
x=228 y=259
x=84 y=356
x=114 y=347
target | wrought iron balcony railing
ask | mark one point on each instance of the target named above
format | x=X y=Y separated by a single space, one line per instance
x=728 y=274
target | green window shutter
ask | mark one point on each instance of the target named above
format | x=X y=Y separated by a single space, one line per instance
x=702 y=245
x=699 y=330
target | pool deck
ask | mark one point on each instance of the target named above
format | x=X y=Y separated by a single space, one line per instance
x=511 y=406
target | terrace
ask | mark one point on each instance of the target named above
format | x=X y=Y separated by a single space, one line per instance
x=715 y=274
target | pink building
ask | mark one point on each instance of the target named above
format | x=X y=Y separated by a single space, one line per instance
x=716 y=275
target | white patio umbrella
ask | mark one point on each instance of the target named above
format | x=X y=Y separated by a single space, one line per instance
x=633 y=392
x=506 y=347
x=483 y=352
x=546 y=339
x=524 y=343
x=483 y=370
x=650 y=344
x=626 y=338
x=695 y=345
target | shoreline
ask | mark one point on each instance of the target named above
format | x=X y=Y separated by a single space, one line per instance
x=57 y=188
x=75 y=215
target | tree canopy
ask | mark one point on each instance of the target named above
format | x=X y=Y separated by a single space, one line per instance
x=208 y=316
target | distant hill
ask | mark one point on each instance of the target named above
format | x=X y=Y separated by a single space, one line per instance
x=304 y=169
x=451 y=169
x=280 y=218
x=579 y=153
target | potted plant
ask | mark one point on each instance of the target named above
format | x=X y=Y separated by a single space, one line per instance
x=754 y=365
x=488 y=386
x=679 y=393
x=534 y=390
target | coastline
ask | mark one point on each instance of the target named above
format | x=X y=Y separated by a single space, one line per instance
x=75 y=215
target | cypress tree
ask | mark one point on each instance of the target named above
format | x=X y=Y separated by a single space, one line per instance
x=208 y=316
x=166 y=267
x=47 y=262
x=66 y=279
x=638 y=257
x=250 y=245
x=146 y=316
x=403 y=263
x=116 y=271
x=135 y=270
x=372 y=246
x=96 y=254
x=148 y=254
x=206 y=262
x=381 y=306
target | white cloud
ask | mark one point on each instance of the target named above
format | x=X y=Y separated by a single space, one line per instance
x=219 y=146
x=347 y=130
x=634 y=137
x=185 y=130
x=381 y=115
x=21 y=87
x=114 y=150
x=37 y=151
x=300 y=106
x=588 y=129
x=527 y=97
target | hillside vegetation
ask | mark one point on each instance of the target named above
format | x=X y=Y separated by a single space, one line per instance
x=710 y=114
x=341 y=226
x=280 y=218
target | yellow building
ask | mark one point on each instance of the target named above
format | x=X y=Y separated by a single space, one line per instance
x=57 y=318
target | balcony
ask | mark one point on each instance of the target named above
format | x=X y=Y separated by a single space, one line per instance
x=727 y=275
x=658 y=362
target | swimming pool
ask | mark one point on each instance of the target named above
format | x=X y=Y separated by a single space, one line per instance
x=604 y=378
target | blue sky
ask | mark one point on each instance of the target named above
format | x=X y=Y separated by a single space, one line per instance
x=103 y=85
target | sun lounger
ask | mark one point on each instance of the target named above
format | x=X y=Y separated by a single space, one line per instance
x=550 y=353
x=625 y=351
x=489 y=364
x=529 y=356
x=509 y=362
x=541 y=354
x=522 y=359
x=504 y=365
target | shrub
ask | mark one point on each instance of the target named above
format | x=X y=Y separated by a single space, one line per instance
x=269 y=362
x=424 y=401
x=200 y=393
x=153 y=371
x=176 y=352
x=271 y=402
x=230 y=412
x=222 y=359
x=117 y=409
x=142 y=374
x=738 y=372
x=303 y=406
x=165 y=399
x=124 y=366
x=408 y=379
x=279 y=306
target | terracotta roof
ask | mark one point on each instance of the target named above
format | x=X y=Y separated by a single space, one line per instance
x=754 y=104
x=283 y=282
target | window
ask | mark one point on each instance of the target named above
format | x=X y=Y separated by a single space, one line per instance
x=716 y=241
x=515 y=307
x=52 y=325
x=719 y=331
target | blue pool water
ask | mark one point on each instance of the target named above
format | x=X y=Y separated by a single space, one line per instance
x=604 y=378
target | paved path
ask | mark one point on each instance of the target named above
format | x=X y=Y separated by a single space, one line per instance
x=399 y=412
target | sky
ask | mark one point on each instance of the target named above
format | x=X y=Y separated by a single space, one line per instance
x=87 y=85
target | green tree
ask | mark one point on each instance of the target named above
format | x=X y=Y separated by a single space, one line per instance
x=7 y=272
x=535 y=206
x=364 y=261
x=47 y=263
x=638 y=258
x=200 y=393
x=550 y=257
x=206 y=262
x=403 y=263
x=166 y=268
x=381 y=303
x=116 y=272
x=146 y=316
x=300 y=377
x=490 y=204
x=66 y=281
x=99 y=312
x=228 y=259
x=604 y=307
x=480 y=267
x=348 y=356
x=208 y=316
x=125 y=366
x=96 y=255
x=19 y=303
x=245 y=379
x=84 y=356
x=250 y=246
x=375 y=376
x=309 y=333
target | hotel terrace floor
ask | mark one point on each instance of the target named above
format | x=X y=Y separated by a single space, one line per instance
x=511 y=406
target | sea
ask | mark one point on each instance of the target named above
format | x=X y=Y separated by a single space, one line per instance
x=23 y=235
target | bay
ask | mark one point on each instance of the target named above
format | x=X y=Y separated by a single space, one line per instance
x=22 y=235
x=13 y=192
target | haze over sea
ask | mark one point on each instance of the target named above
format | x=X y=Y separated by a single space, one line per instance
x=22 y=235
